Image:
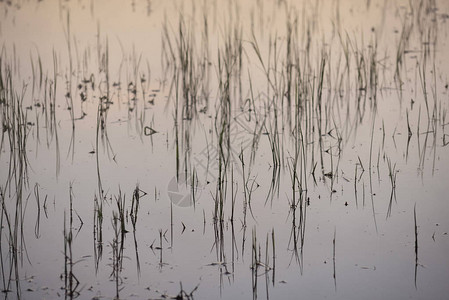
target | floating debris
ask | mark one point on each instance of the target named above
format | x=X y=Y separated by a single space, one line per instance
x=149 y=131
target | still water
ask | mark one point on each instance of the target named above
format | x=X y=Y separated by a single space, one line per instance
x=224 y=149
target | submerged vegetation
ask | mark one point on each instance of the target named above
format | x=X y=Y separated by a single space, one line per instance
x=263 y=130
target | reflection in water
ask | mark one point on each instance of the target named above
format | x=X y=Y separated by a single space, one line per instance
x=251 y=119
x=71 y=282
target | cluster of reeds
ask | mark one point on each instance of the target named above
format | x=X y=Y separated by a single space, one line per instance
x=308 y=111
x=312 y=97
x=120 y=217
x=263 y=263
x=118 y=241
x=71 y=282
x=392 y=173
x=15 y=131
x=188 y=63
x=98 y=231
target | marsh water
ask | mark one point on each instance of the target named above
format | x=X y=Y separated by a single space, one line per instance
x=224 y=149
